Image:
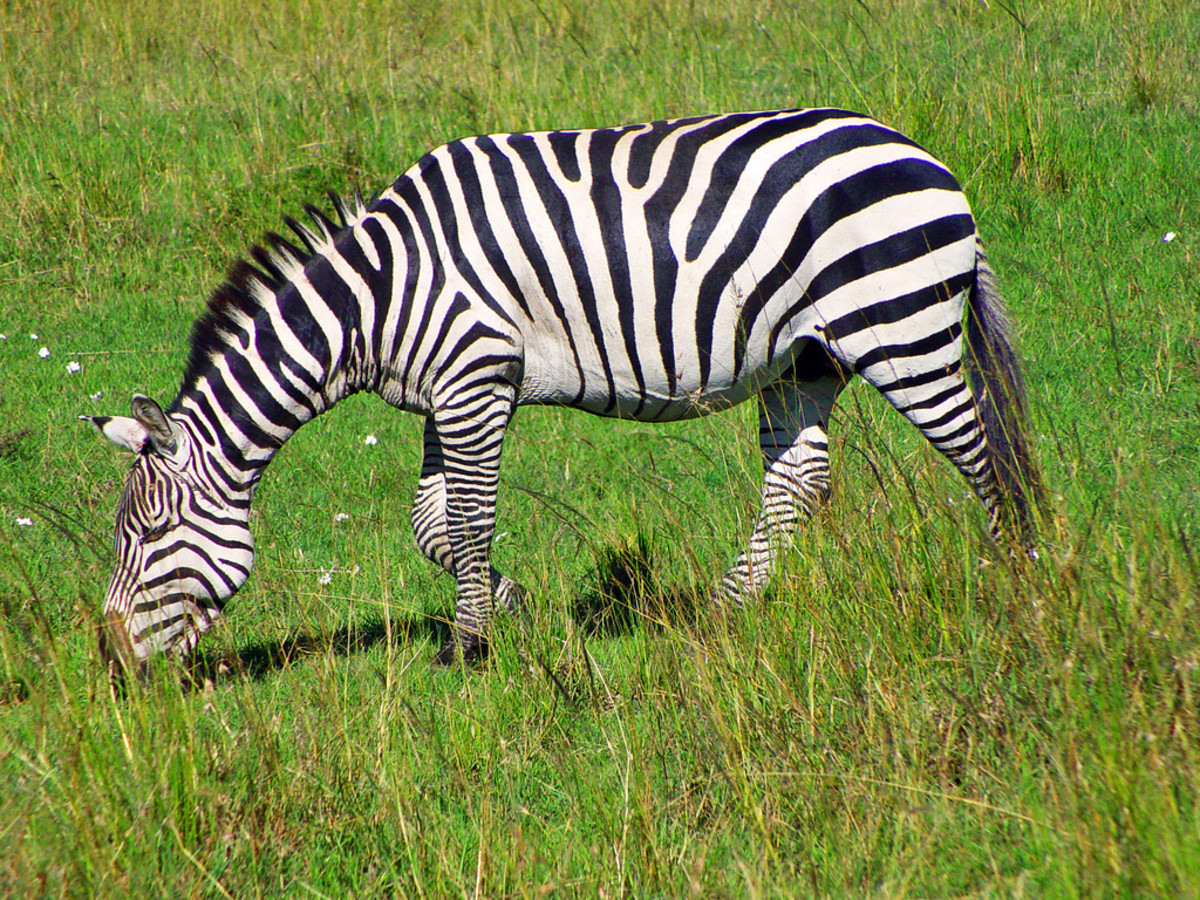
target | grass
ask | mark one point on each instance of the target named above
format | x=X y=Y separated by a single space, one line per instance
x=908 y=713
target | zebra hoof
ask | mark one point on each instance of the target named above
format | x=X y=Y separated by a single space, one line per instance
x=469 y=651
x=518 y=597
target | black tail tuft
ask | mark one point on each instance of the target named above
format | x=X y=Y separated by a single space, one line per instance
x=1000 y=393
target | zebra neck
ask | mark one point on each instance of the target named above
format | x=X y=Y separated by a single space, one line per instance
x=286 y=339
x=249 y=403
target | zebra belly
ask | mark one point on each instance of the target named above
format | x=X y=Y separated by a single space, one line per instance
x=645 y=395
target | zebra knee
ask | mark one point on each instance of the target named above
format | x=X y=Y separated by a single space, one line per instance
x=433 y=542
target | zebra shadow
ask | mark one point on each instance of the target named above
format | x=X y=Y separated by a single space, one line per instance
x=623 y=593
x=258 y=660
x=620 y=594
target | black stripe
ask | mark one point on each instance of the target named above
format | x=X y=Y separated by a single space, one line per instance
x=941 y=397
x=891 y=252
x=178 y=575
x=860 y=318
x=562 y=143
x=412 y=252
x=921 y=378
x=261 y=398
x=645 y=146
x=425 y=250
x=847 y=197
x=893 y=352
x=450 y=228
x=658 y=211
x=457 y=307
x=229 y=451
x=607 y=201
x=378 y=281
x=269 y=349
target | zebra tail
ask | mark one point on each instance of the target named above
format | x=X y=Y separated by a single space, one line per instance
x=1000 y=394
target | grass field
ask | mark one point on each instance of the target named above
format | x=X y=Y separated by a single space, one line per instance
x=908 y=713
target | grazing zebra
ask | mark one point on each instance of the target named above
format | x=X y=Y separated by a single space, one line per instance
x=652 y=272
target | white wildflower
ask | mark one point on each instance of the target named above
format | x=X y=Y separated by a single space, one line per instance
x=44 y=353
x=370 y=440
x=74 y=368
x=33 y=337
x=24 y=523
x=1168 y=237
x=325 y=577
x=96 y=396
x=341 y=517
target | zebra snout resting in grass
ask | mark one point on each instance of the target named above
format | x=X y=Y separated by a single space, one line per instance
x=653 y=272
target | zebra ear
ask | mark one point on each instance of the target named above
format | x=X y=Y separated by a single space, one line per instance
x=149 y=425
x=159 y=429
x=128 y=433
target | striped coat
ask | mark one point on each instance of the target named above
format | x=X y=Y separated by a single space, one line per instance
x=653 y=272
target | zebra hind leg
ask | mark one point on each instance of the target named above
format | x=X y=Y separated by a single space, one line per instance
x=793 y=438
x=945 y=412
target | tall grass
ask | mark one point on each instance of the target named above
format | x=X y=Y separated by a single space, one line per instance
x=908 y=712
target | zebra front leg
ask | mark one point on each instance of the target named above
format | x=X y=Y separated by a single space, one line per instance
x=793 y=417
x=470 y=435
x=429 y=523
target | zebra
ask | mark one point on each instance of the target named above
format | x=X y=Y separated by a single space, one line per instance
x=652 y=272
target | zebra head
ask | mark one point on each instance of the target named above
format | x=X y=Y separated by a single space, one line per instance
x=183 y=546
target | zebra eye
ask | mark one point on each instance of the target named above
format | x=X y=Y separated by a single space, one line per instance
x=155 y=533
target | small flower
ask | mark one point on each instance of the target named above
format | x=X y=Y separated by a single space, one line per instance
x=74 y=368
x=325 y=577
x=24 y=523
x=33 y=337
x=96 y=396
x=1168 y=237
x=44 y=353
x=341 y=517
x=370 y=440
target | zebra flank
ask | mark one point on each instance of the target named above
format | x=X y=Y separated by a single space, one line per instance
x=652 y=272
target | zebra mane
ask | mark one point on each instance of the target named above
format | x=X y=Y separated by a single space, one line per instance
x=251 y=283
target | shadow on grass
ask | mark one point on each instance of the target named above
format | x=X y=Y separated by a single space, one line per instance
x=258 y=660
x=621 y=595
x=625 y=594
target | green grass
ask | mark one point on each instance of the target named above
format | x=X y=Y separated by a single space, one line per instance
x=908 y=713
